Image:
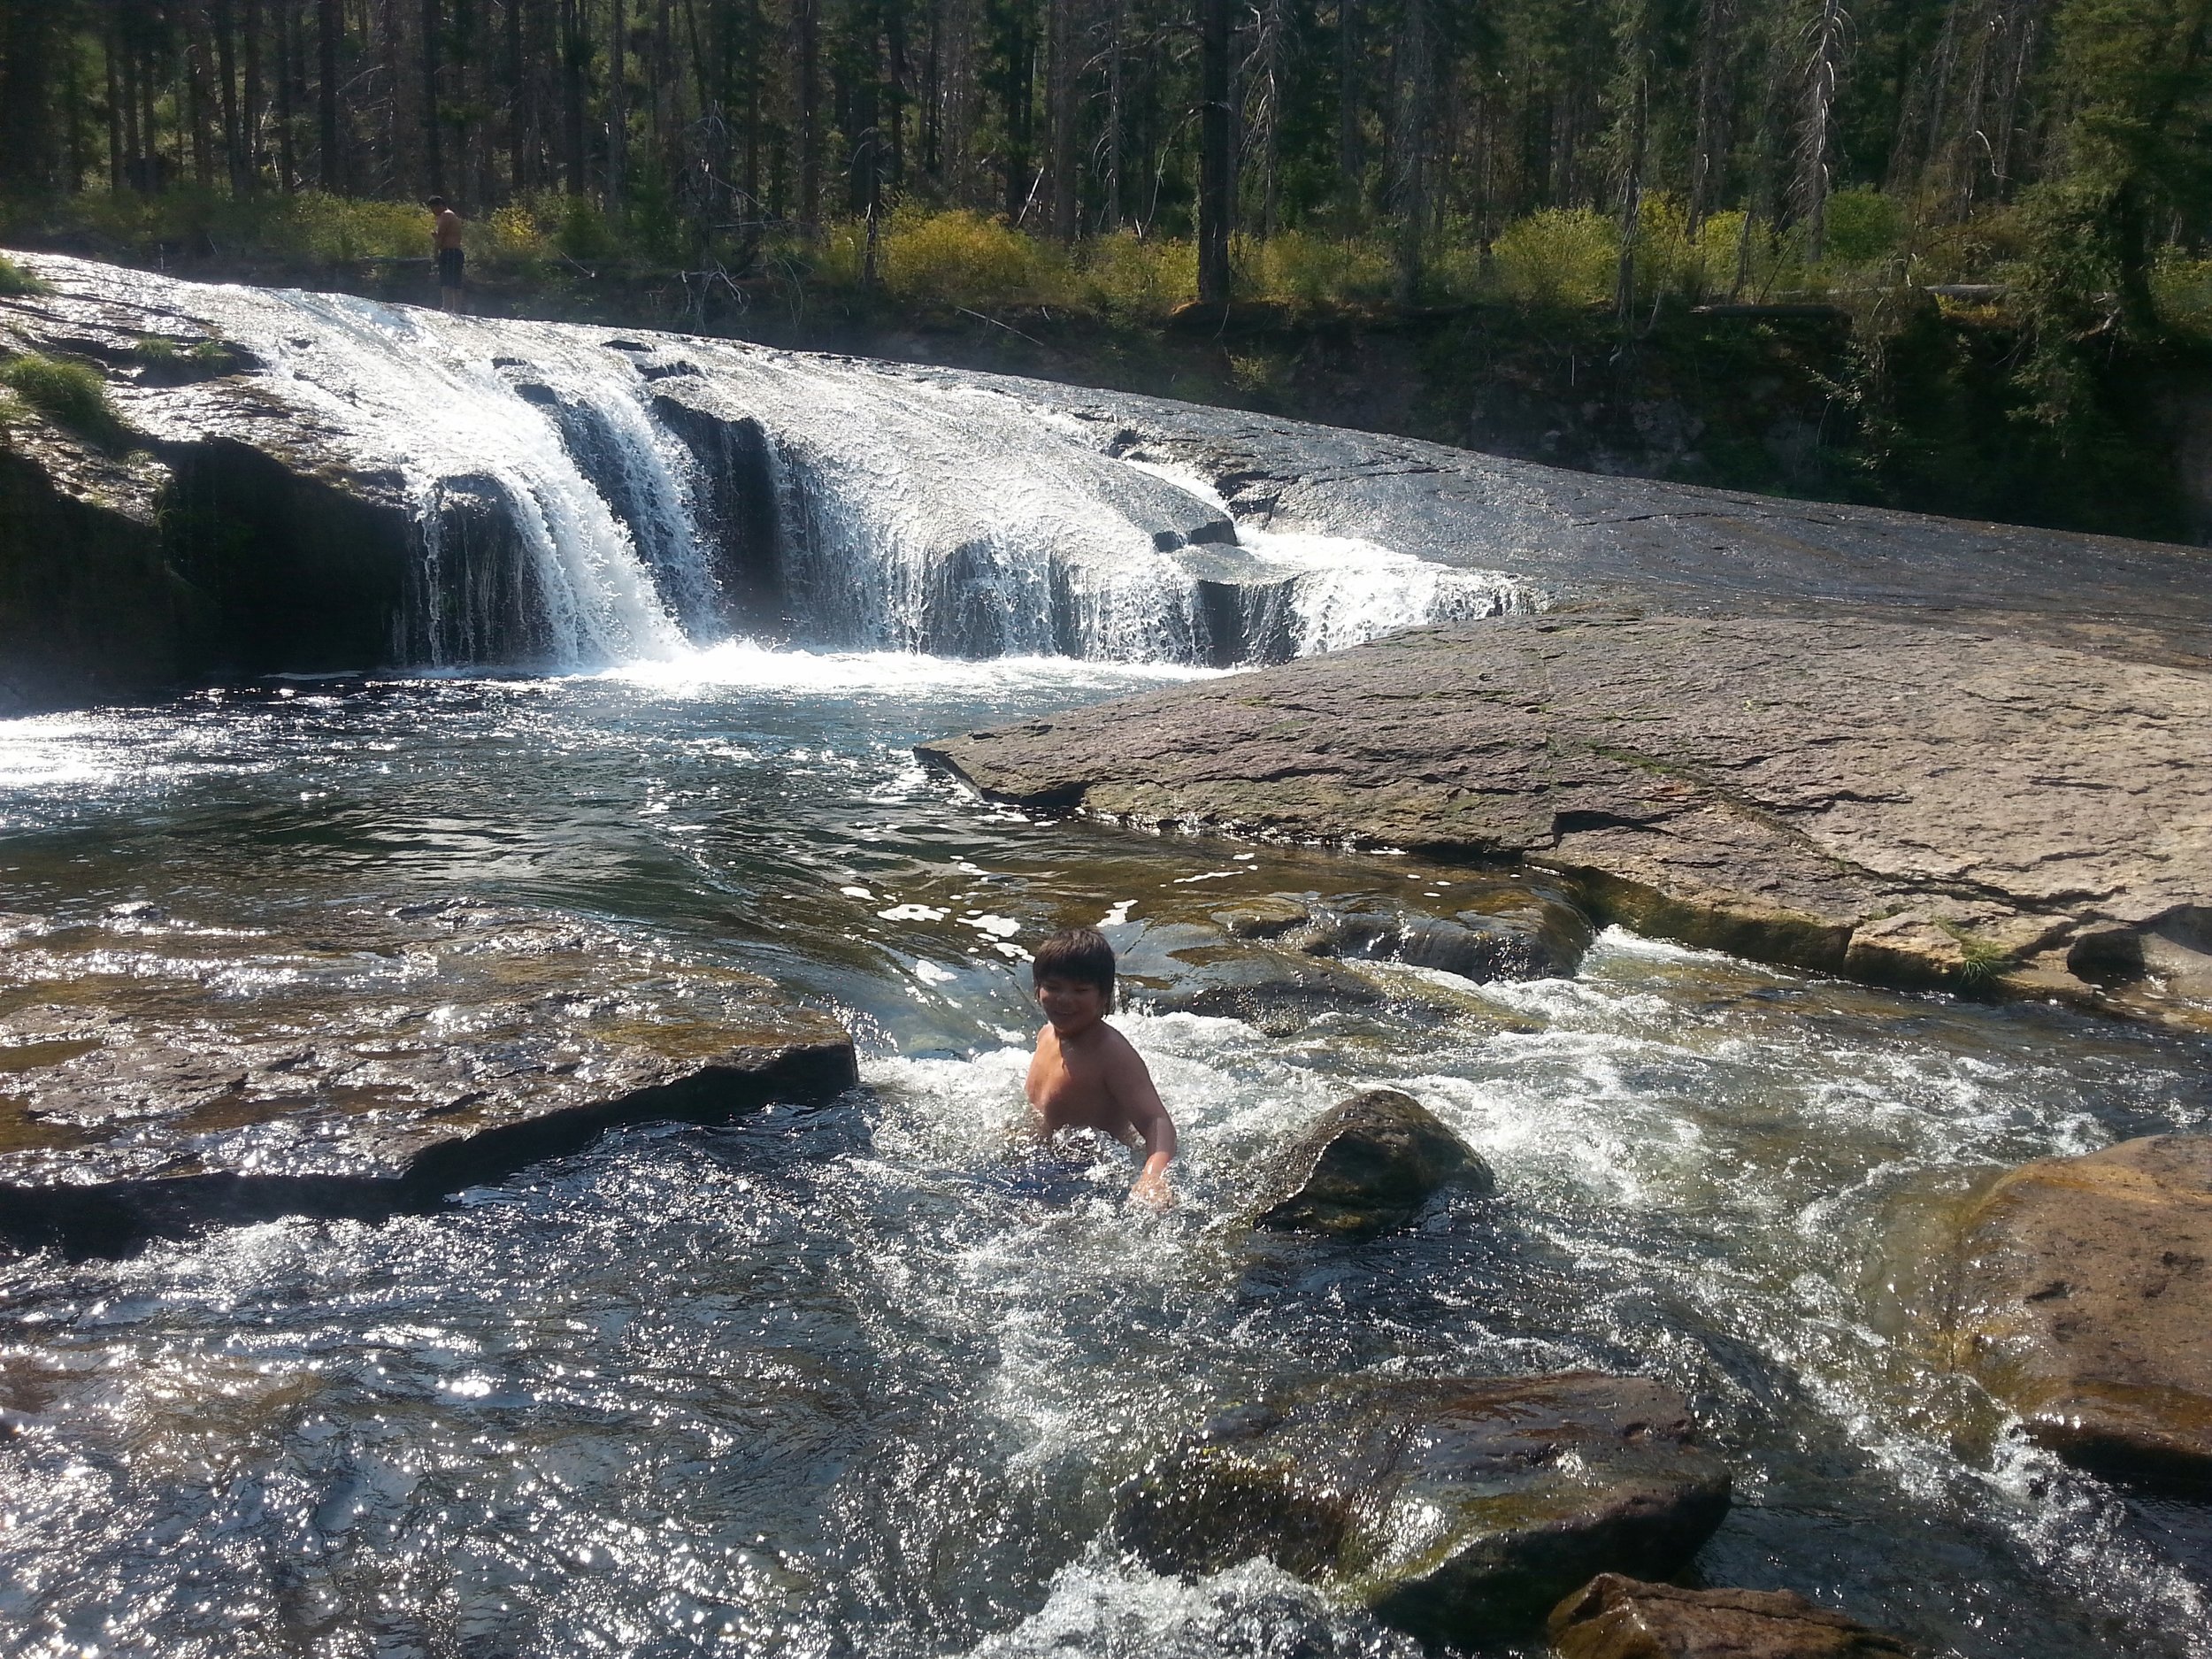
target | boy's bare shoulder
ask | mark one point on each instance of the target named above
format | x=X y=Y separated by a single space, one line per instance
x=1119 y=1049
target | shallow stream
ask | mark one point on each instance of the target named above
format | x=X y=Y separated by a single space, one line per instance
x=861 y=1380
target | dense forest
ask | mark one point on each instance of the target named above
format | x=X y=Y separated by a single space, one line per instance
x=1430 y=127
x=2003 y=205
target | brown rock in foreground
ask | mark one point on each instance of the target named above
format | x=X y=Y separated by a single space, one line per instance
x=1458 y=1510
x=1613 y=1618
x=1879 y=798
x=2080 y=1294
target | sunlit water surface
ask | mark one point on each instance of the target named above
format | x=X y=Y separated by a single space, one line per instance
x=859 y=1380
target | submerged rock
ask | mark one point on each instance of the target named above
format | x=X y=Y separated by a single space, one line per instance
x=1614 y=1617
x=1886 y=799
x=1274 y=991
x=2078 y=1291
x=1458 y=1510
x=1543 y=940
x=1367 y=1165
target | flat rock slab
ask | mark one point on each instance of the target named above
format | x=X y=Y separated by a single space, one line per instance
x=1458 y=1510
x=1368 y=1165
x=1614 y=1617
x=404 y=1056
x=1897 y=802
x=2078 y=1291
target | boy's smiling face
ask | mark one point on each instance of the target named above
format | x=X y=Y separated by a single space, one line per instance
x=1072 y=1005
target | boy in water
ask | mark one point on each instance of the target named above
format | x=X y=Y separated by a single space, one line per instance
x=1085 y=1075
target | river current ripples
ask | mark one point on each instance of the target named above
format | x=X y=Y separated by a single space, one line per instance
x=858 y=1380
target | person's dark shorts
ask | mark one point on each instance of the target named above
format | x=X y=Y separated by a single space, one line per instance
x=448 y=267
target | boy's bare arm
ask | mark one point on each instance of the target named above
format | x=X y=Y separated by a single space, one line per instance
x=1130 y=1082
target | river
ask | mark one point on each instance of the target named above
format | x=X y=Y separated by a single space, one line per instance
x=861 y=1380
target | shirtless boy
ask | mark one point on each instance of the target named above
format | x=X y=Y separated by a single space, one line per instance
x=445 y=246
x=1085 y=1075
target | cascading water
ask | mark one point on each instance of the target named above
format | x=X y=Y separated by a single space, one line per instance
x=563 y=481
x=425 y=395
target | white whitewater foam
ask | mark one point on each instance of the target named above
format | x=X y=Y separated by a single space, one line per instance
x=1348 y=589
x=747 y=664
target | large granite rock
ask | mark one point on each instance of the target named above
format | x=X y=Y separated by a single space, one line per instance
x=407 y=1056
x=2078 y=1293
x=1459 y=1509
x=1580 y=537
x=1614 y=1617
x=1366 y=1165
x=1879 y=798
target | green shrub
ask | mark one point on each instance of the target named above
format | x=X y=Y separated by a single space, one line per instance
x=579 y=230
x=1667 y=255
x=155 y=350
x=1138 y=277
x=2182 y=286
x=1559 y=257
x=68 y=394
x=963 y=259
x=1978 y=249
x=14 y=280
x=512 y=235
x=1301 y=270
x=340 y=229
x=1863 y=225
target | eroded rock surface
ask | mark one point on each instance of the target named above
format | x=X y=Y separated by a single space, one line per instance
x=1459 y=1509
x=1368 y=1165
x=1891 y=800
x=407 y=1055
x=2078 y=1291
x=1614 y=1617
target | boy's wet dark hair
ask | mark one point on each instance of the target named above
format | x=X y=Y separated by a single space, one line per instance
x=434 y=201
x=1080 y=954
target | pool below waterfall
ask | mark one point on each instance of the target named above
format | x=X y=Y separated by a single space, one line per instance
x=862 y=1378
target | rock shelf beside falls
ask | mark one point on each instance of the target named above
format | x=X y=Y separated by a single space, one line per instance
x=392 y=1061
x=1889 y=800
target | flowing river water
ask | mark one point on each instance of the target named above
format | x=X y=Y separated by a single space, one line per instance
x=859 y=1380
x=862 y=1378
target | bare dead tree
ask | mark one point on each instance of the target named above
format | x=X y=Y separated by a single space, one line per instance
x=1715 y=30
x=1825 y=38
x=1265 y=74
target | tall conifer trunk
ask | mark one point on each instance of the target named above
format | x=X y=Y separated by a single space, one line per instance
x=1214 y=148
x=330 y=23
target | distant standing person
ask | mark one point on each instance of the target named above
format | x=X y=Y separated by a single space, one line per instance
x=445 y=237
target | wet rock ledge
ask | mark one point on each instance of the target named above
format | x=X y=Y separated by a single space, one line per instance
x=374 y=1068
x=1900 y=802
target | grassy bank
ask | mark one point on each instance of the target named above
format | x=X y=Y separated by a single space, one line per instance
x=1905 y=369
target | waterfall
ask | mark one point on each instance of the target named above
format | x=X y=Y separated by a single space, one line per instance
x=430 y=396
x=581 y=498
